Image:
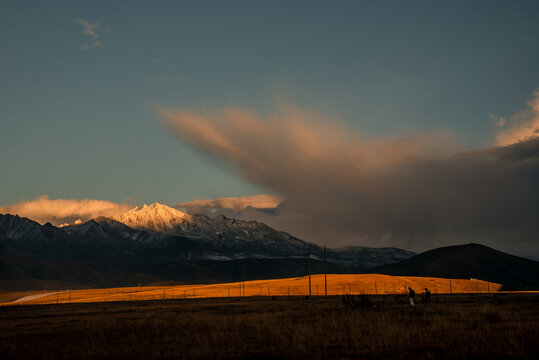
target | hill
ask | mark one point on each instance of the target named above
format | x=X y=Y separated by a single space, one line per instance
x=469 y=261
x=373 y=284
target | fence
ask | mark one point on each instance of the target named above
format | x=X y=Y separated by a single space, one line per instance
x=336 y=285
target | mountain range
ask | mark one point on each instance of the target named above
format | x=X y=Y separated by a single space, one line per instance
x=156 y=243
x=150 y=238
x=158 y=233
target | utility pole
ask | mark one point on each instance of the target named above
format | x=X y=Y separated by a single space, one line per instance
x=309 y=255
x=239 y=275
x=325 y=274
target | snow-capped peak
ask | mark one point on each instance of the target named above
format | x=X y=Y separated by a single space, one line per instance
x=155 y=217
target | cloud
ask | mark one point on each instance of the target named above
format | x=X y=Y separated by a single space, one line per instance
x=64 y=211
x=343 y=187
x=236 y=204
x=93 y=30
x=498 y=120
x=523 y=125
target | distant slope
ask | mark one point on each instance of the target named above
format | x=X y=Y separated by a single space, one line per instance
x=469 y=261
x=23 y=273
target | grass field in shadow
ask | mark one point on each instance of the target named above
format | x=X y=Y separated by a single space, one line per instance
x=474 y=326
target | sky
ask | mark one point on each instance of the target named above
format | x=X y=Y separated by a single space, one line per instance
x=113 y=103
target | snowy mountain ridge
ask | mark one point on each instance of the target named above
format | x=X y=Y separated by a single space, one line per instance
x=155 y=217
x=158 y=233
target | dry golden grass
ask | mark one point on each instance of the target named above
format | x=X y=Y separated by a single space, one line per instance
x=337 y=285
x=458 y=326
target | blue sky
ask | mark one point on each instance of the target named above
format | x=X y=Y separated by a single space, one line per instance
x=82 y=123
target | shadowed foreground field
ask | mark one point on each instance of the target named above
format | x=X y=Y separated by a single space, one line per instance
x=492 y=326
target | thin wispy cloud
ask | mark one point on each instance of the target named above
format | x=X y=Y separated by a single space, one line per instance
x=94 y=31
x=498 y=120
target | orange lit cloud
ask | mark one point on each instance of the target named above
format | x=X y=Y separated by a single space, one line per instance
x=297 y=144
x=343 y=187
x=237 y=204
x=63 y=211
x=522 y=126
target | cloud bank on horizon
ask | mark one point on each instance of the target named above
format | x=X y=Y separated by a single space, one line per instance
x=237 y=204
x=64 y=211
x=342 y=187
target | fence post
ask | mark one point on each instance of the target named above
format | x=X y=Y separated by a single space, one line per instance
x=310 y=294
x=325 y=274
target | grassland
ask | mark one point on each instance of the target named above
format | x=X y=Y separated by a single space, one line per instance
x=458 y=326
x=337 y=285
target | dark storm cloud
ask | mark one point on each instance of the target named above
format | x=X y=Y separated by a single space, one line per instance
x=342 y=188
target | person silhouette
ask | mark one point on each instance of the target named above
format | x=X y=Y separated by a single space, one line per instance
x=428 y=297
x=411 y=296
